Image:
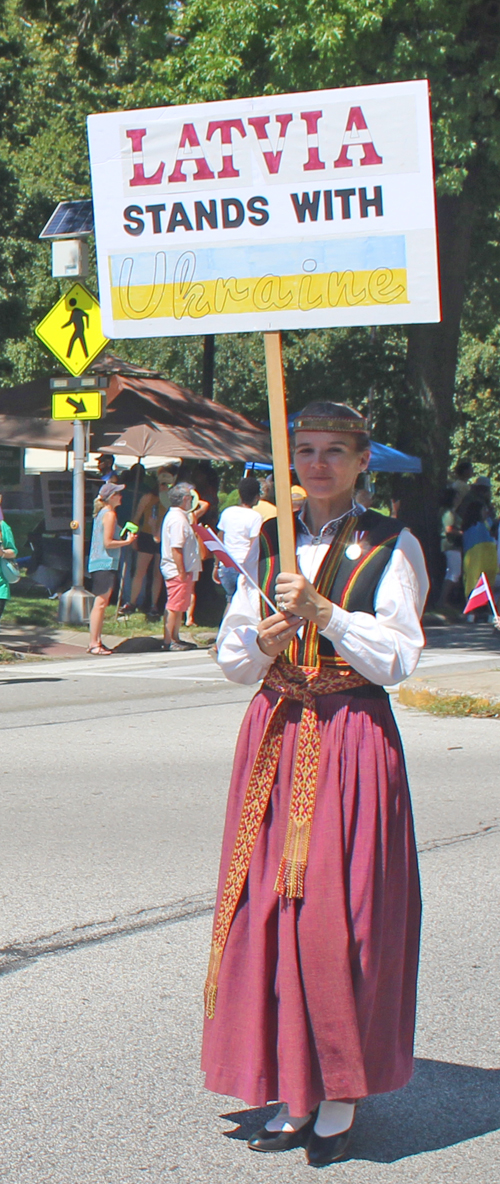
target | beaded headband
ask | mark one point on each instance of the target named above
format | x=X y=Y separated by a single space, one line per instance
x=321 y=423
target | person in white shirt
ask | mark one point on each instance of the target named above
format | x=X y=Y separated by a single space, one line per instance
x=180 y=564
x=311 y=986
x=238 y=526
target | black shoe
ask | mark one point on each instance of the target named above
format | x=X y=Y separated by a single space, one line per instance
x=126 y=610
x=265 y=1140
x=322 y=1150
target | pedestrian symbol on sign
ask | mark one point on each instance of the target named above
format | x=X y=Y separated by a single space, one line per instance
x=76 y=321
x=72 y=329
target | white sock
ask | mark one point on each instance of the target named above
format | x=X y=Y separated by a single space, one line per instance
x=284 y=1121
x=333 y=1118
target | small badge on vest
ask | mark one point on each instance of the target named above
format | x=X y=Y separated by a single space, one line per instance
x=353 y=551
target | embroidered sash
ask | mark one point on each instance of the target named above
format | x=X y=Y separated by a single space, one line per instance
x=304 y=683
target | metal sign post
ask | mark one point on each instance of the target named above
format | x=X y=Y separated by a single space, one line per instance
x=75 y=604
x=78 y=504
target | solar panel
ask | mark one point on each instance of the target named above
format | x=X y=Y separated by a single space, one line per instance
x=71 y=219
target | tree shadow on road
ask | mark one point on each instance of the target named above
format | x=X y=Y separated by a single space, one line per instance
x=442 y=1105
x=471 y=637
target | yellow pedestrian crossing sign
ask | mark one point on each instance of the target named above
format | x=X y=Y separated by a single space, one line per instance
x=72 y=330
x=80 y=404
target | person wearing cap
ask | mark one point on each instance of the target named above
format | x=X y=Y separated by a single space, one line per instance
x=311 y=985
x=106 y=466
x=104 y=558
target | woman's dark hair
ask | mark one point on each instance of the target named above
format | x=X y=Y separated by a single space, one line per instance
x=448 y=498
x=472 y=514
x=339 y=411
x=249 y=490
x=463 y=467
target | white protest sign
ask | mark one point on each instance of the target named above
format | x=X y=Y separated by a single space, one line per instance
x=289 y=211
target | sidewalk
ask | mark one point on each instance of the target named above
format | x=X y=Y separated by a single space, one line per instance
x=459 y=671
x=36 y=641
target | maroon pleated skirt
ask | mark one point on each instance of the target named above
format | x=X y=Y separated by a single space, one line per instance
x=317 y=997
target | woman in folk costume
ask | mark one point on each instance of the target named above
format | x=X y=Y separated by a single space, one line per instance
x=310 y=995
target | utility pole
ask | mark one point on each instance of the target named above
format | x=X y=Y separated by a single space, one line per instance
x=208 y=366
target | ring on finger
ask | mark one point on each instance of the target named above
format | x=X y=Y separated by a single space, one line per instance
x=281 y=604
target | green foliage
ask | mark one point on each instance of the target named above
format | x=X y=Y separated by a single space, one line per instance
x=61 y=59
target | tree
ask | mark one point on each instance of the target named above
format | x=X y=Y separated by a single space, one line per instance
x=63 y=58
x=257 y=46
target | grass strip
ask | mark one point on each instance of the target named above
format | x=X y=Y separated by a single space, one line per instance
x=448 y=703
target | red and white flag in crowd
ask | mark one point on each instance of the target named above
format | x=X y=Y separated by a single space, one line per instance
x=480 y=596
x=220 y=552
x=215 y=546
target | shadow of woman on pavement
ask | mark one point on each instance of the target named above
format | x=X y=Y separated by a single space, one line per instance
x=442 y=1105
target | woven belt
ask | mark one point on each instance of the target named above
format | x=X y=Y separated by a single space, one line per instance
x=302 y=684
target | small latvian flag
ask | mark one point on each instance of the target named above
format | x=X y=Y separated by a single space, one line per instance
x=214 y=545
x=480 y=596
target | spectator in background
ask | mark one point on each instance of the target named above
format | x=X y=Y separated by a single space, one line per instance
x=167 y=477
x=238 y=526
x=463 y=474
x=206 y=483
x=148 y=517
x=104 y=557
x=268 y=490
x=198 y=513
x=106 y=466
x=298 y=497
x=264 y=506
x=180 y=563
x=481 y=492
x=134 y=480
x=479 y=548
x=363 y=497
x=8 y=550
x=451 y=539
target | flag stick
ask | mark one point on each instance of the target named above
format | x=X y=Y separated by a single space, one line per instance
x=490 y=598
x=281 y=454
x=243 y=571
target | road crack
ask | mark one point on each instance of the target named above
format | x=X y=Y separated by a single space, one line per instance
x=19 y=954
x=435 y=844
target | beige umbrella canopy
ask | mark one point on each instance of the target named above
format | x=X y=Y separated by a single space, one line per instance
x=151 y=440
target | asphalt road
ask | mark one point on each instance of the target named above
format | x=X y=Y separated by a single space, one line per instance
x=112 y=793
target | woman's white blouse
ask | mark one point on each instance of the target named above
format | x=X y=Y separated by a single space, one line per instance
x=385 y=648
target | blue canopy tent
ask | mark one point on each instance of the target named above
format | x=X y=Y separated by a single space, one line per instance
x=389 y=460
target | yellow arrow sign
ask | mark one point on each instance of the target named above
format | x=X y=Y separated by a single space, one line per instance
x=72 y=330
x=77 y=405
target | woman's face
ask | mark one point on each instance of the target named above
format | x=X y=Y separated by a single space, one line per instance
x=115 y=500
x=327 y=463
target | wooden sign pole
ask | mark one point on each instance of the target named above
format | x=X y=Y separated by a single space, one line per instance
x=280 y=450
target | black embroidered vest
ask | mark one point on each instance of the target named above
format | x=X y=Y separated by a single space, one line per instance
x=350 y=583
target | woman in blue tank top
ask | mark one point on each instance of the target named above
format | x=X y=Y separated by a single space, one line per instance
x=104 y=558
